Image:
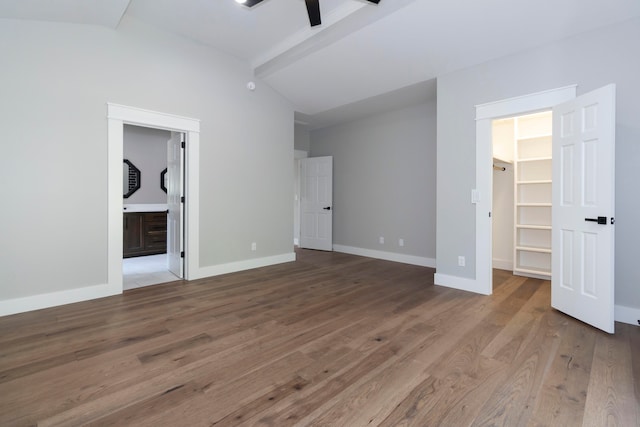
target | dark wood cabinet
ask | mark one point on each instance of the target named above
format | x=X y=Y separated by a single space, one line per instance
x=144 y=233
x=133 y=238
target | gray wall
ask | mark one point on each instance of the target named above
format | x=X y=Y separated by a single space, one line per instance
x=590 y=60
x=56 y=80
x=302 y=138
x=384 y=180
x=147 y=149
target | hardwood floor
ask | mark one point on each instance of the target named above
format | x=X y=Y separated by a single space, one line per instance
x=330 y=340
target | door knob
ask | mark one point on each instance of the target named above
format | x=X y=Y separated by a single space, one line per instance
x=328 y=208
x=600 y=220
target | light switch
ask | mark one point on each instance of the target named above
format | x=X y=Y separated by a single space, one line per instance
x=475 y=196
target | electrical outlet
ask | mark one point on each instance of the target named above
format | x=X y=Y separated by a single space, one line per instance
x=254 y=246
x=461 y=261
x=400 y=242
x=381 y=240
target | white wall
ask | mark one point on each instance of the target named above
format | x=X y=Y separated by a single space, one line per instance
x=146 y=148
x=590 y=60
x=384 y=180
x=302 y=139
x=57 y=79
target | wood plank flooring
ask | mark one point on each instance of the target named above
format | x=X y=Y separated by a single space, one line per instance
x=329 y=340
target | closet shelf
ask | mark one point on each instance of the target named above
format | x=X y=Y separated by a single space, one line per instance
x=500 y=160
x=538 y=181
x=532 y=195
x=534 y=249
x=535 y=159
x=535 y=136
x=533 y=205
x=533 y=227
x=541 y=272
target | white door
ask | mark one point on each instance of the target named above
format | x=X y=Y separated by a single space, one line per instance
x=175 y=193
x=582 y=283
x=316 y=204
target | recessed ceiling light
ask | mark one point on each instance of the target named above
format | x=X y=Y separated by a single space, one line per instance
x=241 y=1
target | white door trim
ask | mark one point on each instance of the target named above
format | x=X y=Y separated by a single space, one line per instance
x=117 y=117
x=485 y=114
x=297 y=155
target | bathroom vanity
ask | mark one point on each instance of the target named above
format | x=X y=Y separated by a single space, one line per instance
x=144 y=233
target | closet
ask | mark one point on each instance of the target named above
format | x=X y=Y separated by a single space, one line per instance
x=522 y=167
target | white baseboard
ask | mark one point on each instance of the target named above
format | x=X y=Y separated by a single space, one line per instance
x=232 y=267
x=388 y=256
x=455 y=282
x=503 y=264
x=52 y=299
x=37 y=302
x=622 y=314
x=628 y=315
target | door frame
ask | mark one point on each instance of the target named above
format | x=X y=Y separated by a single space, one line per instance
x=117 y=117
x=297 y=155
x=483 y=193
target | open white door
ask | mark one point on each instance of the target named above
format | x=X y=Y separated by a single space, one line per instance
x=175 y=201
x=316 y=217
x=582 y=283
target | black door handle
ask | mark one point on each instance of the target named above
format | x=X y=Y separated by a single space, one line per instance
x=328 y=208
x=600 y=220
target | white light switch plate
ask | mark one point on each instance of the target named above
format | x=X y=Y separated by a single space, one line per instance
x=475 y=196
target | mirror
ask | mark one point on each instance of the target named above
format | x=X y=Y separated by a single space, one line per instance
x=130 y=179
x=163 y=180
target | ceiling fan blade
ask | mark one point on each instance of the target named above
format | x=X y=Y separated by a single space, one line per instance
x=313 y=9
x=251 y=3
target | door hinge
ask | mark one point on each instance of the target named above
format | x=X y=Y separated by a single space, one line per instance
x=489 y=214
x=182 y=199
x=182 y=254
x=183 y=144
x=613 y=220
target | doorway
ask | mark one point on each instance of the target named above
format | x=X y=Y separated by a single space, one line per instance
x=118 y=116
x=147 y=228
x=522 y=198
x=483 y=194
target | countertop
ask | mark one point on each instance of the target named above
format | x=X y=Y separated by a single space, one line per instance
x=158 y=207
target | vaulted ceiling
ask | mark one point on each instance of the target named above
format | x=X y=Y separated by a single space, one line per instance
x=363 y=57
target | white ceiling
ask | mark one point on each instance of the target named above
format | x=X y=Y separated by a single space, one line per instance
x=390 y=53
x=98 y=12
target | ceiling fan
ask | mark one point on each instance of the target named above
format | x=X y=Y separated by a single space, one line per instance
x=313 y=8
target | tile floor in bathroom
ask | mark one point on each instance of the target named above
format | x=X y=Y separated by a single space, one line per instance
x=145 y=271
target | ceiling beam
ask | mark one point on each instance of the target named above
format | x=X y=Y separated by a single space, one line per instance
x=336 y=24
